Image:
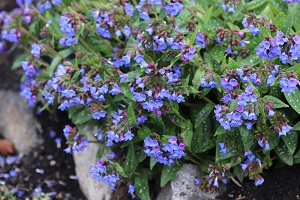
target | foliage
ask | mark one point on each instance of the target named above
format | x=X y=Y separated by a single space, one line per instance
x=165 y=82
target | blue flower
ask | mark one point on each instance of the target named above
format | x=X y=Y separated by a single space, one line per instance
x=259 y=181
x=174 y=8
x=200 y=40
x=288 y=85
x=129 y=9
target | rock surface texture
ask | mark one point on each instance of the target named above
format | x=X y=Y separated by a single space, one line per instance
x=17 y=122
x=92 y=189
x=183 y=187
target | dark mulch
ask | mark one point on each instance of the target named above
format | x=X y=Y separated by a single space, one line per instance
x=280 y=184
x=47 y=166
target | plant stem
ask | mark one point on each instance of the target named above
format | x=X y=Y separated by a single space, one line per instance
x=208 y=100
x=134 y=2
x=88 y=46
x=189 y=150
x=191 y=159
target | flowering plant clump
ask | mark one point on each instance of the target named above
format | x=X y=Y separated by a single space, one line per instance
x=214 y=83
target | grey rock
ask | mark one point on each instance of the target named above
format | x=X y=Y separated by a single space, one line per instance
x=92 y=189
x=183 y=187
x=17 y=122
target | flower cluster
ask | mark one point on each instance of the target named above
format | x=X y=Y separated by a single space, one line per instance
x=244 y=113
x=68 y=28
x=232 y=37
x=147 y=76
x=211 y=182
x=289 y=82
x=292 y=1
x=286 y=47
x=208 y=81
x=228 y=5
x=254 y=24
x=100 y=173
x=76 y=141
x=165 y=153
x=252 y=167
x=29 y=86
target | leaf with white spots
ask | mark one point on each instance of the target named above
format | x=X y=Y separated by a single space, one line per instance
x=187 y=133
x=277 y=102
x=232 y=64
x=131 y=161
x=204 y=113
x=218 y=52
x=198 y=75
x=203 y=138
x=284 y=154
x=297 y=127
x=168 y=173
x=294 y=99
x=291 y=140
x=247 y=137
x=142 y=187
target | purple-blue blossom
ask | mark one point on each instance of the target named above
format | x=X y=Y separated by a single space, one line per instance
x=174 y=8
x=200 y=40
x=288 y=85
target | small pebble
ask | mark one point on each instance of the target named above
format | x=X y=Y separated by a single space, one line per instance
x=52 y=162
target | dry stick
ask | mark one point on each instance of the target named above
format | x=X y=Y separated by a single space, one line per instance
x=235 y=181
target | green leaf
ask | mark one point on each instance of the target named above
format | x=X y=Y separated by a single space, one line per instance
x=144 y=132
x=232 y=64
x=218 y=52
x=297 y=155
x=168 y=173
x=19 y=59
x=196 y=80
x=142 y=187
x=247 y=137
x=294 y=99
x=177 y=119
x=119 y=169
x=100 y=152
x=131 y=161
x=284 y=154
x=273 y=140
x=297 y=126
x=57 y=59
x=187 y=134
x=152 y=162
x=291 y=140
x=280 y=20
x=277 y=102
x=204 y=113
x=220 y=131
x=230 y=149
x=83 y=115
x=126 y=91
x=131 y=115
x=203 y=138
x=251 y=60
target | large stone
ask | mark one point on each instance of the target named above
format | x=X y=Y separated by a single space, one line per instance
x=183 y=188
x=17 y=122
x=92 y=189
